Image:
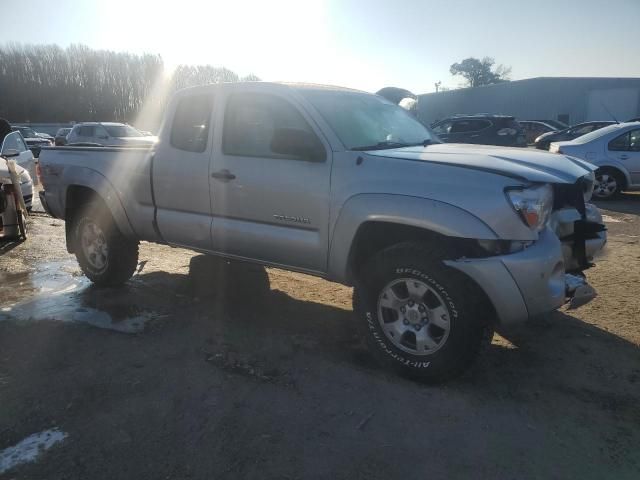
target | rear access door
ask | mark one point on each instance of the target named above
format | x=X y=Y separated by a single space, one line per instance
x=180 y=172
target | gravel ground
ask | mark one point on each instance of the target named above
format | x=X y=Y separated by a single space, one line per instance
x=196 y=371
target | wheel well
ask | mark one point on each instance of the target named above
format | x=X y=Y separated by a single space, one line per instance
x=373 y=237
x=619 y=172
x=77 y=196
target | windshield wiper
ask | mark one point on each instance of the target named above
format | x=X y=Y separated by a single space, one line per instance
x=387 y=144
x=425 y=143
x=381 y=146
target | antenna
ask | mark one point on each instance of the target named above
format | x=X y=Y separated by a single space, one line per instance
x=607 y=110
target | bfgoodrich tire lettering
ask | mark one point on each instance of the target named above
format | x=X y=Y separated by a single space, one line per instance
x=389 y=328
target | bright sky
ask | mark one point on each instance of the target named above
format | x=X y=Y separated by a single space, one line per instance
x=361 y=44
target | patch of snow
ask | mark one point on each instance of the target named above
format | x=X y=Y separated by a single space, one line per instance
x=28 y=449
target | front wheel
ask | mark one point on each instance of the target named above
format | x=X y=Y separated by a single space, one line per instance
x=105 y=256
x=420 y=317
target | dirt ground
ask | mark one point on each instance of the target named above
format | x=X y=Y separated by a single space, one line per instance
x=191 y=371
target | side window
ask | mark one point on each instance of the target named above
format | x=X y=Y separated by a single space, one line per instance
x=85 y=131
x=11 y=142
x=634 y=140
x=190 y=128
x=620 y=144
x=100 y=132
x=21 y=145
x=442 y=128
x=250 y=121
x=465 y=126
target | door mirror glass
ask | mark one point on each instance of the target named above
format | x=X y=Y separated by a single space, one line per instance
x=297 y=143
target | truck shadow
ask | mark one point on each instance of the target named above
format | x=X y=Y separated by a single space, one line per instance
x=236 y=315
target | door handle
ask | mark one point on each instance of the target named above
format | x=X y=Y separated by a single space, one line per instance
x=623 y=157
x=224 y=175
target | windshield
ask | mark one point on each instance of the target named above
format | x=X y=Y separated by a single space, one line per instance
x=27 y=132
x=361 y=120
x=597 y=133
x=122 y=131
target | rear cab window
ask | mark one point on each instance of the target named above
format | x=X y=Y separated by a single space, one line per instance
x=191 y=122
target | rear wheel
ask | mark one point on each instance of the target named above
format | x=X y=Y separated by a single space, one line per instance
x=420 y=317
x=609 y=183
x=105 y=256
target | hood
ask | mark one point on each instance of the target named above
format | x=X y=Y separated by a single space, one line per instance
x=520 y=163
x=35 y=140
x=547 y=135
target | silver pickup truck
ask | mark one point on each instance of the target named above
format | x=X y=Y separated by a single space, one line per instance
x=443 y=243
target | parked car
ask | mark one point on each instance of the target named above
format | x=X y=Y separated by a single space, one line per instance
x=46 y=136
x=544 y=140
x=534 y=128
x=25 y=159
x=61 y=136
x=557 y=124
x=108 y=134
x=615 y=150
x=484 y=129
x=34 y=142
x=442 y=242
x=26 y=182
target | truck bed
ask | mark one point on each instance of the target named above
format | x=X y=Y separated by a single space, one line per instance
x=120 y=174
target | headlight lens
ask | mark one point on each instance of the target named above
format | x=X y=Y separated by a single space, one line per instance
x=533 y=204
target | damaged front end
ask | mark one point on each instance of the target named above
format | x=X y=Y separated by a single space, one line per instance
x=582 y=234
x=527 y=279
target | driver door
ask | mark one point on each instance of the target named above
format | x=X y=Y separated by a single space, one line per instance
x=266 y=206
x=14 y=141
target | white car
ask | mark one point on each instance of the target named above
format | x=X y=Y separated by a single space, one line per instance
x=615 y=150
x=26 y=184
x=25 y=158
x=108 y=134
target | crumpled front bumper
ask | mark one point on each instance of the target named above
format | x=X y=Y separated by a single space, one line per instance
x=530 y=282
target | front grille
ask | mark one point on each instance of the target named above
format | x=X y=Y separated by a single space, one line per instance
x=568 y=194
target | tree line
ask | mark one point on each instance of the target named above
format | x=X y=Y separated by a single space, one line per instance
x=46 y=83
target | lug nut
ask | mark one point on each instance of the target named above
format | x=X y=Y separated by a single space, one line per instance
x=417 y=327
x=403 y=310
x=411 y=303
x=405 y=321
x=421 y=308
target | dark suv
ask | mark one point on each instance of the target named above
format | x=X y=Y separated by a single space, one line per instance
x=481 y=128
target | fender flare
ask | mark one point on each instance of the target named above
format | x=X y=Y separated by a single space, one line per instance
x=88 y=178
x=433 y=215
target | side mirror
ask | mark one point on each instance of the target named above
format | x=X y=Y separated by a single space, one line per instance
x=10 y=152
x=103 y=137
x=298 y=143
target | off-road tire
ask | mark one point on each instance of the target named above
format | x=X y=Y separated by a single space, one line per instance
x=122 y=258
x=469 y=316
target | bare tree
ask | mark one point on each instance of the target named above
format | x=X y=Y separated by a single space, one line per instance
x=45 y=83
